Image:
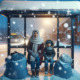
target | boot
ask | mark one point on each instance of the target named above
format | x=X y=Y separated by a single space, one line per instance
x=37 y=72
x=46 y=70
x=33 y=73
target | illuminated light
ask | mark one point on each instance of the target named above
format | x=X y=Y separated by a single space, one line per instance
x=22 y=42
x=66 y=25
x=47 y=22
x=16 y=40
x=26 y=42
x=41 y=32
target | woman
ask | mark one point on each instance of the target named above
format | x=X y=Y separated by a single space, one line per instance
x=35 y=50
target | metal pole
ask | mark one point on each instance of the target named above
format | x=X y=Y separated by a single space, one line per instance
x=8 y=35
x=25 y=36
x=72 y=41
x=57 y=37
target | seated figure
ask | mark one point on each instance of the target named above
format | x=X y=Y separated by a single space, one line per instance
x=35 y=52
x=49 y=54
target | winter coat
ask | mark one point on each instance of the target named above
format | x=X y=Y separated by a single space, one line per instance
x=40 y=51
x=49 y=52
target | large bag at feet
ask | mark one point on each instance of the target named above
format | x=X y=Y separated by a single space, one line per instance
x=16 y=66
x=63 y=67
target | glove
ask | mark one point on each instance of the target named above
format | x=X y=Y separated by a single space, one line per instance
x=47 y=58
x=51 y=58
x=39 y=51
x=30 y=51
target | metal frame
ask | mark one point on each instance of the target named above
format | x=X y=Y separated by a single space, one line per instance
x=41 y=14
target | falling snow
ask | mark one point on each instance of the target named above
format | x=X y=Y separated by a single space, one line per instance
x=9 y=57
x=14 y=22
x=60 y=68
x=16 y=64
x=66 y=25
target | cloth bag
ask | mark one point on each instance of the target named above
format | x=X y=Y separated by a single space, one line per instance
x=63 y=67
x=16 y=66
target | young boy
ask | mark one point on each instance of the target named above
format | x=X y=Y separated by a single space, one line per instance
x=49 y=54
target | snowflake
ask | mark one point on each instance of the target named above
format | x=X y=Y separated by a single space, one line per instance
x=74 y=27
x=12 y=9
x=9 y=74
x=65 y=46
x=32 y=13
x=34 y=16
x=9 y=26
x=65 y=72
x=16 y=64
x=53 y=30
x=8 y=37
x=43 y=4
x=21 y=66
x=9 y=57
x=2 y=55
x=14 y=22
x=14 y=73
x=31 y=25
x=58 y=39
x=20 y=15
x=53 y=16
x=60 y=68
x=68 y=36
x=49 y=12
x=68 y=11
x=66 y=25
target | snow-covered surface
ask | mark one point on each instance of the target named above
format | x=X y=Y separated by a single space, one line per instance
x=35 y=5
x=76 y=76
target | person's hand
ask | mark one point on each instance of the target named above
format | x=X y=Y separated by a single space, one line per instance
x=51 y=58
x=47 y=58
x=30 y=50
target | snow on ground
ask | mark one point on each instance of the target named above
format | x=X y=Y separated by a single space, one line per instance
x=76 y=76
